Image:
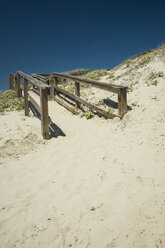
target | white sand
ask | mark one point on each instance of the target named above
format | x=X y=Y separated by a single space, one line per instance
x=100 y=186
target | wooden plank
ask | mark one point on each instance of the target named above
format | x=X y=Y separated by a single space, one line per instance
x=122 y=102
x=44 y=113
x=19 y=90
x=55 y=84
x=102 y=112
x=14 y=83
x=34 y=81
x=36 y=105
x=65 y=105
x=109 y=87
x=26 y=105
x=17 y=85
x=77 y=93
x=38 y=77
x=11 y=81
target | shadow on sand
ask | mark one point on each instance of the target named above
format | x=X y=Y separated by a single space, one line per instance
x=54 y=130
x=113 y=104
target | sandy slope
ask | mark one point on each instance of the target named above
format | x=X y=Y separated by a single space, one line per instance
x=102 y=185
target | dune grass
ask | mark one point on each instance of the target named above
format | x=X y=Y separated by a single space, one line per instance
x=9 y=101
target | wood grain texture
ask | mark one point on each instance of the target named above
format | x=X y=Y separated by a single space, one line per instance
x=118 y=89
x=104 y=86
x=11 y=81
x=44 y=113
x=26 y=105
x=36 y=105
x=77 y=93
x=56 y=84
x=122 y=102
x=17 y=78
x=34 y=81
x=51 y=93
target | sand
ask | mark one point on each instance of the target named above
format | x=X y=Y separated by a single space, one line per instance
x=99 y=186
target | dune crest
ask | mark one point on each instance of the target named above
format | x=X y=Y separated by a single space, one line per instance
x=101 y=185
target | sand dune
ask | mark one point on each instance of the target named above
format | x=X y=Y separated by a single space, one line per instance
x=101 y=185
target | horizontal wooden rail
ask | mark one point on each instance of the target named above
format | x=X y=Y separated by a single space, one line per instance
x=109 y=87
x=40 y=77
x=118 y=89
x=78 y=99
x=66 y=105
x=35 y=82
x=36 y=105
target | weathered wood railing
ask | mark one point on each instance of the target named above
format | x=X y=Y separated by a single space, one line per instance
x=121 y=91
x=14 y=84
x=40 y=83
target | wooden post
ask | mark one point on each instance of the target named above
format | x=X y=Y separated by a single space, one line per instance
x=17 y=85
x=44 y=113
x=122 y=102
x=77 y=93
x=11 y=81
x=26 y=105
x=52 y=93
x=56 y=84
x=51 y=90
x=20 y=91
x=16 y=82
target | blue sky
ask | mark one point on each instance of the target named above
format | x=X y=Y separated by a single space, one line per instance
x=46 y=36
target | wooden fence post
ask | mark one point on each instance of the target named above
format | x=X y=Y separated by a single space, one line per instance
x=26 y=105
x=44 y=113
x=52 y=93
x=51 y=97
x=77 y=93
x=17 y=85
x=122 y=102
x=11 y=81
x=56 y=84
x=16 y=82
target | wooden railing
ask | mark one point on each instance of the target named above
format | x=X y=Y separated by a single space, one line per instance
x=40 y=83
x=121 y=91
x=14 y=84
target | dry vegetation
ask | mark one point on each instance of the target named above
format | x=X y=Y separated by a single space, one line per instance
x=9 y=101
